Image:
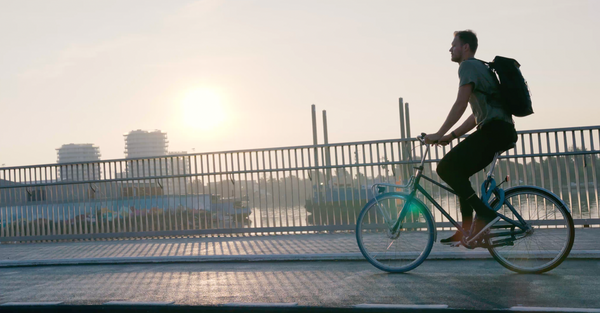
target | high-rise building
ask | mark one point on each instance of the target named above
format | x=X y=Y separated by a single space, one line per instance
x=144 y=145
x=178 y=164
x=151 y=158
x=75 y=154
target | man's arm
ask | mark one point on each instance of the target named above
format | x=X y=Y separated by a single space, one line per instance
x=458 y=109
x=469 y=124
x=466 y=126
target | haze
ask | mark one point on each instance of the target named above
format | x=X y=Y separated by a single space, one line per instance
x=228 y=75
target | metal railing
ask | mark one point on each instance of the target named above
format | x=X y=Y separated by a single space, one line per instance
x=290 y=189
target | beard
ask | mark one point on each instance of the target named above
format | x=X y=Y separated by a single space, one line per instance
x=455 y=58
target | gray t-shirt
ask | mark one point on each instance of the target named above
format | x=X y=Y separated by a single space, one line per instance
x=485 y=97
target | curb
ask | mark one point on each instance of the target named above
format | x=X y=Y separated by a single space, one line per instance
x=458 y=255
x=159 y=307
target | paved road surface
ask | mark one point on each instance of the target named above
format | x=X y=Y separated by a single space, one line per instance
x=469 y=284
x=339 y=246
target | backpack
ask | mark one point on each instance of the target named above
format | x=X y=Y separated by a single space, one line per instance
x=514 y=91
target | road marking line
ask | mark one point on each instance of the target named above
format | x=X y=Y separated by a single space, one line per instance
x=258 y=304
x=30 y=303
x=401 y=306
x=542 y=309
x=138 y=303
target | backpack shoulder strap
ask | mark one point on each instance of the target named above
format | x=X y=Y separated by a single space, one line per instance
x=484 y=62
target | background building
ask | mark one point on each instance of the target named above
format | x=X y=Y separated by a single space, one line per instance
x=75 y=153
x=142 y=143
x=146 y=144
x=178 y=165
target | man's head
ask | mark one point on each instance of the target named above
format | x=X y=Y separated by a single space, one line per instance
x=464 y=45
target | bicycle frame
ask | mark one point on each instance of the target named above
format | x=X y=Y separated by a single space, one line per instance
x=489 y=188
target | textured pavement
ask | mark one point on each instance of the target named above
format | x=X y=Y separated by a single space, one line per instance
x=336 y=246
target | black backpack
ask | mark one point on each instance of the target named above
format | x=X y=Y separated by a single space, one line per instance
x=513 y=87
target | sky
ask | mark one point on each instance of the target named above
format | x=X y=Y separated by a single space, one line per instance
x=230 y=75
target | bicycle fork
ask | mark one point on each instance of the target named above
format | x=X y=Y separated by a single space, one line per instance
x=394 y=230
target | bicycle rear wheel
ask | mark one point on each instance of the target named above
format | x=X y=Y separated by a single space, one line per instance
x=398 y=251
x=550 y=236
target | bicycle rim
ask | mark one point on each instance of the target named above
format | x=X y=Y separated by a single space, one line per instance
x=400 y=251
x=552 y=234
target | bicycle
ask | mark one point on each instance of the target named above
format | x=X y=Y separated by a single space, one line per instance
x=533 y=232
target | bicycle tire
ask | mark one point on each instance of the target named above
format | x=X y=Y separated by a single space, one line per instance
x=553 y=232
x=412 y=244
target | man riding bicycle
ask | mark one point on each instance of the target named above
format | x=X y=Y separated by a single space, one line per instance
x=495 y=132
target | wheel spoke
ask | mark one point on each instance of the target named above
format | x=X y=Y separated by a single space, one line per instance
x=391 y=243
x=400 y=250
x=552 y=236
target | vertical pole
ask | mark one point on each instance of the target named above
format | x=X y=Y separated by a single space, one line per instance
x=409 y=145
x=325 y=127
x=316 y=153
x=327 y=152
x=314 y=125
x=315 y=141
x=403 y=172
x=328 y=184
x=407 y=121
x=401 y=107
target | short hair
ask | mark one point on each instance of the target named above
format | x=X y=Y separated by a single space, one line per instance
x=467 y=37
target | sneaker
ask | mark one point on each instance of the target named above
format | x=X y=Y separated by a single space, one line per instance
x=452 y=239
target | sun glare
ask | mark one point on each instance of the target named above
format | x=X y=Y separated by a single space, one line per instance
x=202 y=109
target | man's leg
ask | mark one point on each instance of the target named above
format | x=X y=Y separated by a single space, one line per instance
x=467 y=219
x=469 y=157
x=467 y=214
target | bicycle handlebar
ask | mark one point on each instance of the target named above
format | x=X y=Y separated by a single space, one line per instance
x=422 y=138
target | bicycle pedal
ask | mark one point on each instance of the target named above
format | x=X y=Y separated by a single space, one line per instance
x=455 y=244
x=503 y=242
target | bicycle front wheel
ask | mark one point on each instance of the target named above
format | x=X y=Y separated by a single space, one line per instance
x=392 y=250
x=549 y=239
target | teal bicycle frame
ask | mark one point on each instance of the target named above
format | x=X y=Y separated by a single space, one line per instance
x=488 y=188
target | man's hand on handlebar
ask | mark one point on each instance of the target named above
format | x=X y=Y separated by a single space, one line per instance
x=432 y=138
x=437 y=139
x=445 y=140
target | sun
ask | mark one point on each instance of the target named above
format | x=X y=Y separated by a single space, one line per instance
x=202 y=109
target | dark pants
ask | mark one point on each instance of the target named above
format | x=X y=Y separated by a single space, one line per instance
x=472 y=155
